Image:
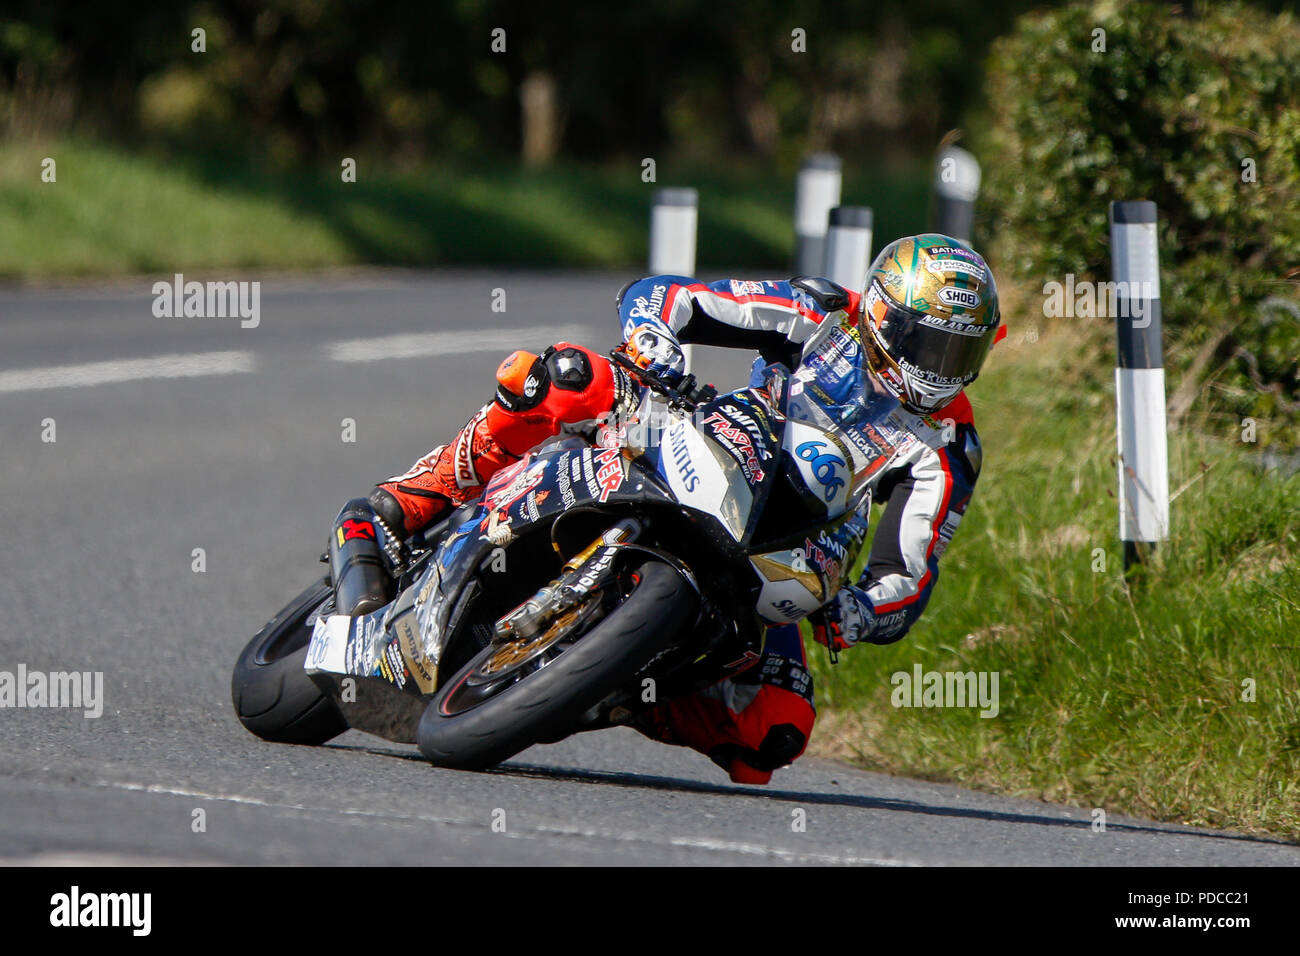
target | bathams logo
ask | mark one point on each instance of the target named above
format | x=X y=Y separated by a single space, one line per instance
x=76 y=909
x=208 y=300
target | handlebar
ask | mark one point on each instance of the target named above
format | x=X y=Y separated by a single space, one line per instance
x=686 y=393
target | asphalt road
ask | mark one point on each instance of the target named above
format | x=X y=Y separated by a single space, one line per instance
x=232 y=443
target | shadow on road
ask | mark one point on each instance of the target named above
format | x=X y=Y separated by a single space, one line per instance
x=652 y=782
x=643 y=781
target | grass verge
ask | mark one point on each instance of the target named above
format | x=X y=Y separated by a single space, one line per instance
x=1131 y=698
x=111 y=211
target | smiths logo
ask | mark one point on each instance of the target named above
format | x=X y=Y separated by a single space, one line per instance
x=643 y=308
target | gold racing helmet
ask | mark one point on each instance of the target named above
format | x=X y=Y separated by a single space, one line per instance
x=929 y=317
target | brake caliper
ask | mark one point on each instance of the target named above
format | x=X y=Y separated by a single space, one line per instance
x=583 y=574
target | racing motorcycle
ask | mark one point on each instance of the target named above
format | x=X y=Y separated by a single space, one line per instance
x=603 y=573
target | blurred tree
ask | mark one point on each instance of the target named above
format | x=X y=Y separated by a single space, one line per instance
x=1200 y=115
x=302 y=79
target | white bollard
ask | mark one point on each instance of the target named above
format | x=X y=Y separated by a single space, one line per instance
x=956 y=184
x=674 y=217
x=1139 y=379
x=673 y=221
x=817 y=191
x=848 y=246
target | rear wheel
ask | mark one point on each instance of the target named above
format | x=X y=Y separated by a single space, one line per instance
x=274 y=698
x=512 y=695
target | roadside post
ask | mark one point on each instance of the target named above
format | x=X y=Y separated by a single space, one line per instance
x=848 y=246
x=817 y=191
x=674 y=218
x=956 y=184
x=1139 y=380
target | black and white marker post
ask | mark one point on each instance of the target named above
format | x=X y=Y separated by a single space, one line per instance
x=816 y=193
x=956 y=184
x=848 y=246
x=1139 y=380
x=674 y=217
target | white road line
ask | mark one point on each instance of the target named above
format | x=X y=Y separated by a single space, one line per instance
x=126 y=370
x=77 y=860
x=424 y=344
x=529 y=832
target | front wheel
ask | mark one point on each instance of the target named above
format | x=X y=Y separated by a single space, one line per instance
x=511 y=696
x=273 y=696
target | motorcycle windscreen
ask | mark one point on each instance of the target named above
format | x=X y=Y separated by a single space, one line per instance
x=832 y=391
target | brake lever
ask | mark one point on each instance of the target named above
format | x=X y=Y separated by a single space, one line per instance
x=685 y=394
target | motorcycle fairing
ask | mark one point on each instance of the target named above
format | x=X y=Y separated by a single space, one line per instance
x=721 y=466
x=394 y=652
x=359 y=661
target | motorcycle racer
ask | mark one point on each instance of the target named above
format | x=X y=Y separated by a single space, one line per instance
x=918 y=332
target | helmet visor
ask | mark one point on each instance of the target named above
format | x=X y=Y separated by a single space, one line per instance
x=937 y=351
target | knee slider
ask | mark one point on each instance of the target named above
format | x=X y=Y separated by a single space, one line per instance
x=522 y=381
x=572 y=385
x=782 y=744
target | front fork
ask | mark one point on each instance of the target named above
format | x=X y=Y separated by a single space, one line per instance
x=582 y=575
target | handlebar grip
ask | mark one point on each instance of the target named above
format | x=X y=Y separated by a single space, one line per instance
x=684 y=393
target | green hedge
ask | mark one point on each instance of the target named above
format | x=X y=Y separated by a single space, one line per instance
x=1168 y=112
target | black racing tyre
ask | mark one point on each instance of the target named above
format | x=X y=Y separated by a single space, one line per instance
x=546 y=704
x=274 y=698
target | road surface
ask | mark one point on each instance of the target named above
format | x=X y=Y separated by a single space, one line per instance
x=176 y=434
